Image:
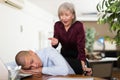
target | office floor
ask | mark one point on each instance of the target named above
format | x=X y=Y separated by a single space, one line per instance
x=116 y=73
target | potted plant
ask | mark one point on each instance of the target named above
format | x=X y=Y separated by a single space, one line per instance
x=109 y=12
x=90 y=37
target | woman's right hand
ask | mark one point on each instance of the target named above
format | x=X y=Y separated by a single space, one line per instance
x=54 y=41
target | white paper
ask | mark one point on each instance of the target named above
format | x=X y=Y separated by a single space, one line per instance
x=70 y=79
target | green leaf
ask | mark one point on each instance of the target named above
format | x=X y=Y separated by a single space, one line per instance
x=103 y=2
x=98 y=7
x=106 y=4
x=110 y=15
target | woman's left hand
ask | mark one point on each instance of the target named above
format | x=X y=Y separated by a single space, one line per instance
x=87 y=71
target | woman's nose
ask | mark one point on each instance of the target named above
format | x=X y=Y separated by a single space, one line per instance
x=63 y=17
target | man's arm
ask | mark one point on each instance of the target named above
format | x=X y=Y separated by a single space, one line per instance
x=32 y=71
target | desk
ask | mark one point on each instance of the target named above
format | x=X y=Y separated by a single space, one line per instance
x=45 y=77
x=103 y=67
x=106 y=59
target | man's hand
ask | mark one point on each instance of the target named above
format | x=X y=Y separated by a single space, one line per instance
x=31 y=71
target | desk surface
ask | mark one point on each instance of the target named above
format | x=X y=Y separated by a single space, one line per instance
x=106 y=59
x=46 y=77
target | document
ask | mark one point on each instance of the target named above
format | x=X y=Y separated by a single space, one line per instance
x=70 y=78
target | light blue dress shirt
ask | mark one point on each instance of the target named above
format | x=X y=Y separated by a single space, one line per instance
x=53 y=62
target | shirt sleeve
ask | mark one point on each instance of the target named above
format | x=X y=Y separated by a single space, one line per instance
x=59 y=66
x=81 y=43
x=56 y=34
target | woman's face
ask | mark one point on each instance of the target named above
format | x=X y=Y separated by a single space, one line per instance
x=32 y=62
x=66 y=17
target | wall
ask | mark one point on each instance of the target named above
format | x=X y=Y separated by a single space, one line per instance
x=101 y=31
x=29 y=28
x=22 y=29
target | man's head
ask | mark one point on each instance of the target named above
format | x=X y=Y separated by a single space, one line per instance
x=28 y=60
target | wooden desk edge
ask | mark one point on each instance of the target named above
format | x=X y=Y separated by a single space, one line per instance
x=46 y=77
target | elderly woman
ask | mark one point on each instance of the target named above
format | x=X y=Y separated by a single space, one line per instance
x=70 y=33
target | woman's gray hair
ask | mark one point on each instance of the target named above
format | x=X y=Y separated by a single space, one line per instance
x=67 y=6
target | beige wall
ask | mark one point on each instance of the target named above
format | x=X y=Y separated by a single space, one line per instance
x=101 y=29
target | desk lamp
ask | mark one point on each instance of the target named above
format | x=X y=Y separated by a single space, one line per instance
x=101 y=41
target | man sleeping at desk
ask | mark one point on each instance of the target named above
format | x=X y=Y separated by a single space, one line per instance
x=46 y=61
